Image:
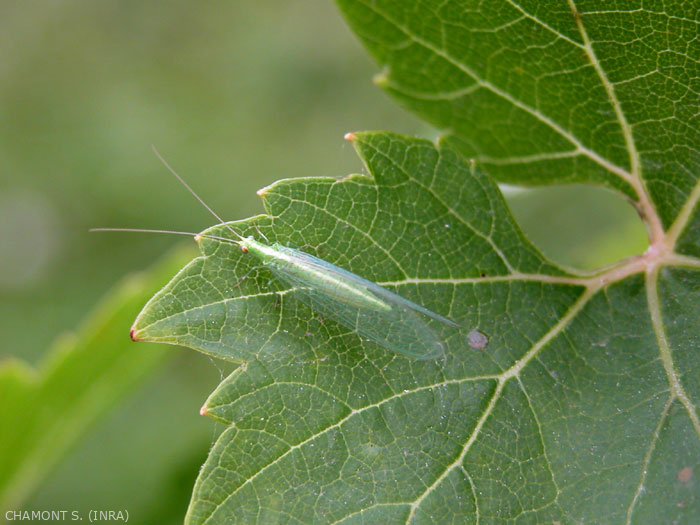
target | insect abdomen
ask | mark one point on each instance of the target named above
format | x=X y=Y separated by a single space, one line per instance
x=327 y=279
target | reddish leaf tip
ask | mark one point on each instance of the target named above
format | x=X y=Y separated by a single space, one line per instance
x=350 y=137
x=132 y=334
x=262 y=192
x=203 y=411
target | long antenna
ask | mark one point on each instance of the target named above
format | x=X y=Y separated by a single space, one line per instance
x=173 y=232
x=194 y=194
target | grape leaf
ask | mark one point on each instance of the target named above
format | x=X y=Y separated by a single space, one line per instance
x=582 y=405
x=324 y=426
x=85 y=373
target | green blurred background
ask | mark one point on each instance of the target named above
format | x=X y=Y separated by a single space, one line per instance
x=235 y=95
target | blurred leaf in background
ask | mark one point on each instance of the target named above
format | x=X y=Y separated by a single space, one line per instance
x=47 y=408
x=584 y=227
x=235 y=95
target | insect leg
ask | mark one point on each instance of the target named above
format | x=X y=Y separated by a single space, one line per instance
x=261 y=233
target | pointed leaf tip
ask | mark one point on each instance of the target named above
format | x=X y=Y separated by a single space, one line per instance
x=203 y=411
x=262 y=192
x=381 y=79
x=350 y=137
x=132 y=334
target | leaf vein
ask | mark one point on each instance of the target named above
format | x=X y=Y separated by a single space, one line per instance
x=647 y=458
x=651 y=281
x=619 y=171
x=340 y=423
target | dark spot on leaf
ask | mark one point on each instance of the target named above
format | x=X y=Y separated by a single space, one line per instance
x=477 y=339
x=684 y=475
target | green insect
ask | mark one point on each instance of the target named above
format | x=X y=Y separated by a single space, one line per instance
x=362 y=306
x=356 y=303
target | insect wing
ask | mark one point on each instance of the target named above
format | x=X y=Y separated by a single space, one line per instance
x=399 y=328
